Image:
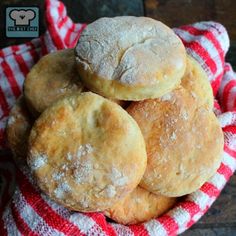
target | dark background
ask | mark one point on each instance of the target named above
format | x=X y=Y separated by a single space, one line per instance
x=221 y=218
x=171 y=12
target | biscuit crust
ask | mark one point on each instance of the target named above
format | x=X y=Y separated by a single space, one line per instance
x=86 y=152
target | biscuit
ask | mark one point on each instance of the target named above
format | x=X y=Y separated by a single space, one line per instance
x=86 y=152
x=53 y=77
x=18 y=129
x=135 y=58
x=139 y=206
x=184 y=142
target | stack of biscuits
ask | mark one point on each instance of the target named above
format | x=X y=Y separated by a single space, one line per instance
x=123 y=124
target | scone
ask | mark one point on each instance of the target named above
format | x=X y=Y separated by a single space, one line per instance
x=184 y=142
x=139 y=206
x=86 y=152
x=135 y=58
x=53 y=77
x=18 y=129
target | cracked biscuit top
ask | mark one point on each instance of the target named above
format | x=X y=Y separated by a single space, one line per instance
x=130 y=58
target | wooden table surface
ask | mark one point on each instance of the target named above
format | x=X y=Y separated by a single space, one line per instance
x=220 y=220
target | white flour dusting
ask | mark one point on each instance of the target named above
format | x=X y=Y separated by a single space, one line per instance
x=38 y=161
x=110 y=191
x=11 y=120
x=166 y=97
x=62 y=90
x=58 y=175
x=138 y=200
x=84 y=202
x=117 y=177
x=69 y=156
x=127 y=79
x=65 y=167
x=83 y=172
x=184 y=115
x=62 y=189
x=83 y=166
x=193 y=94
x=121 y=181
x=181 y=168
x=173 y=136
x=84 y=150
x=198 y=146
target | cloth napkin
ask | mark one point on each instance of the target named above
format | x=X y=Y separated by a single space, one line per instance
x=30 y=212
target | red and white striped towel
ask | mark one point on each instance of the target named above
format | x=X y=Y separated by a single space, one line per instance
x=30 y=212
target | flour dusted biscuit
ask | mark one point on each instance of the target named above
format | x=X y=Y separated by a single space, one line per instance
x=133 y=59
x=86 y=152
x=183 y=139
x=139 y=206
x=18 y=130
x=196 y=82
x=53 y=77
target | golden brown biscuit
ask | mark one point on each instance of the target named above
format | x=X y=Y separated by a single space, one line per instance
x=139 y=206
x=86 y=152
x=184 y=142
x=133 y=59
x=18 y=129
x=196 y=82
x=53 y=77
